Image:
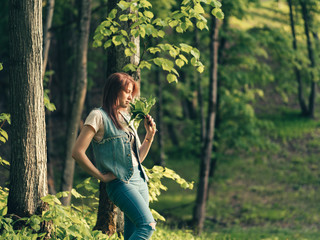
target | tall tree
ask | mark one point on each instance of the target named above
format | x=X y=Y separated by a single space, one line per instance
x=28 y=171
x=303 y=106
x=47 y=32
x=199 y=210
x=307 y=19
x=80 y=81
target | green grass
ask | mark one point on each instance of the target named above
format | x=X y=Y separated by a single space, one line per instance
x=260 y=195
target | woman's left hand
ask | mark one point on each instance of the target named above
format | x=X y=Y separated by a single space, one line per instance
x=150 y=126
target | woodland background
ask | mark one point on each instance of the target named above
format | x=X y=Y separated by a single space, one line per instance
x=263 y=171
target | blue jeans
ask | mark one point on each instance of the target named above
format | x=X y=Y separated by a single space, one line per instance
x=133 y=200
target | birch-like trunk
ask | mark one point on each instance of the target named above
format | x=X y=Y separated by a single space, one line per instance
x=199 y=213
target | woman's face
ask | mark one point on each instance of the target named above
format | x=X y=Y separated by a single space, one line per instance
x=125 y=97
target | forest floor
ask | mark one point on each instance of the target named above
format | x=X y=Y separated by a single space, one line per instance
x=261 y=194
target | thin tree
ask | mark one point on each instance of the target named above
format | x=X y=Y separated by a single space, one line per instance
x=303 y=106
x=306 y=18
x=28 y=171
x=49 y=9
x=80 y=89
x=199 y=212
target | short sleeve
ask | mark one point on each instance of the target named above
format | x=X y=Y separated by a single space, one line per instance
x=95 y=120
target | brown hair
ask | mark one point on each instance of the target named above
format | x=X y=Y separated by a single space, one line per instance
x=114 y=84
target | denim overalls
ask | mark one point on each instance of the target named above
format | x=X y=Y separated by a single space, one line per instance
x=129 y=191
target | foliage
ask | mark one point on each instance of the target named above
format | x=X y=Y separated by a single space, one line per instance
x=76 y=221
x=140 y=108
x=155 y=186
x=138 y=12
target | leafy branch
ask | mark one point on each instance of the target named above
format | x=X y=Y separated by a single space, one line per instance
x=141 y=24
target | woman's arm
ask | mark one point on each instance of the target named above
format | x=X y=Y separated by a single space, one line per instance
x=79 y=154
x=150 y=127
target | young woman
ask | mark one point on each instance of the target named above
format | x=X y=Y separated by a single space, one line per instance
x=118 y=154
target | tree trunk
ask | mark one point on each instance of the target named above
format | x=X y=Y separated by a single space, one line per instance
x=306 y=19
x=79 y=96
x=28 y=170
x=199 y=210
x=110 y=219
x=47 y=33
x=303 y=106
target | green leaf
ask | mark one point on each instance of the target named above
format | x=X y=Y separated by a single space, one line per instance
x=183 y=58
x=217 y=12
x=198 y=8
x=107 y=44
x=185 y=47
x=76 y=194
x=173 y=23
x=179 y=63
x=154 y=50
x=195 y=52
x=158 y=61
x=142 y=32
x=51 y=200
x=145 y=4
x=157 y=216
x=105 y=24
x=62 y=194
x=130 y=67
x=1 y=67
x=145 y=64
x=5 y=117
x=128 y=52
x=194 y=61
x=148 y=14
x=216 y=4
x=167 y=65
x=179 y=29
x=201 y=25
x=96 y=43
x=123 y=5
x=117 y=40
x=161 y=33
x=172 y=78
x=200 y=69
x=4 y=134
x=113 y=13
x=123 y=18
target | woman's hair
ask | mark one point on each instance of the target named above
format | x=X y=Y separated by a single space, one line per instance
x=114 y=84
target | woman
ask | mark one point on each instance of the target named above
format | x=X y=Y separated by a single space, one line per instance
x=119 y=153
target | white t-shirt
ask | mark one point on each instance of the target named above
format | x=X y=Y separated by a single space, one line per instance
x=95 y=120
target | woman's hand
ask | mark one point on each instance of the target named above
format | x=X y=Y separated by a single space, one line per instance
x=108 y=177
x=150 y=126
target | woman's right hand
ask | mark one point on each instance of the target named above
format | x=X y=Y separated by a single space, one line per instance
x=108 y=177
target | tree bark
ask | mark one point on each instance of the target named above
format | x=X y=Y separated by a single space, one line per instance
x=303 y=106
x=199 y=210
x=47 y=33
x=110 y=219
x=28 y=170
x=306 y=19
x=78 y=97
